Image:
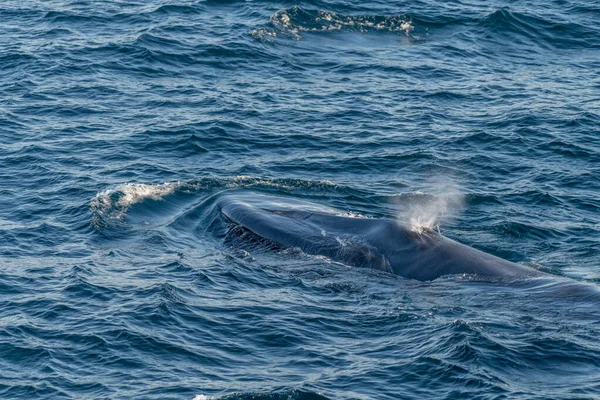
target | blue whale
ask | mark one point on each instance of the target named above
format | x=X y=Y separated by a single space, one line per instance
x=382 y=244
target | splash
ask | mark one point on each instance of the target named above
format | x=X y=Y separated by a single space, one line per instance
x=292 y=21
x=135 y=192
x=114 y=203
x=350 y=214
x=426 y=212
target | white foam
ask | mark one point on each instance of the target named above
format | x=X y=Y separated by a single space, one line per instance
x=247 y=181
x=328 y=21
x=137 y=192
x=263 y=33
x=115 y=202
x=407 y=27
x=350 y=214
x=202 y=397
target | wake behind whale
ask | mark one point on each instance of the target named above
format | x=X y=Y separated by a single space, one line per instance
x=382 y=244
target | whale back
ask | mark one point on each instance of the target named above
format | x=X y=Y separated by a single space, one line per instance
x=382 y=244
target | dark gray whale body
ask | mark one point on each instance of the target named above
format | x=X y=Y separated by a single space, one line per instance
x=382 y=244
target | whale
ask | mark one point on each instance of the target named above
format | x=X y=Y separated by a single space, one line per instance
x=378 y=243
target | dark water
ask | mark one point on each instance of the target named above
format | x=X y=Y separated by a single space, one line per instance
x=120 y=122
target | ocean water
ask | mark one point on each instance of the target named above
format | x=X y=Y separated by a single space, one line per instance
x=121 y=122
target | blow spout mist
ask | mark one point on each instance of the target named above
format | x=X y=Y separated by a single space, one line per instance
x=423 y=212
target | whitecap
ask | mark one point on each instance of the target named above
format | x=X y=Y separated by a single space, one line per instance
x=114 y=203
x=294 y=20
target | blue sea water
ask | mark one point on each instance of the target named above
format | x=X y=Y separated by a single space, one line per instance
x=120 y=121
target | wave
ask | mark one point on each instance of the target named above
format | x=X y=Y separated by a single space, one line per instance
x=113 y=203
x=284 y=395
x=538 y=29
x=292 y=21
x=502 y=23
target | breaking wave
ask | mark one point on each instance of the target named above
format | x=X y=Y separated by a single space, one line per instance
x=293 y=21
x=500 y=25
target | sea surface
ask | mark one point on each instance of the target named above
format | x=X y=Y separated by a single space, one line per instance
x=121 y=122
